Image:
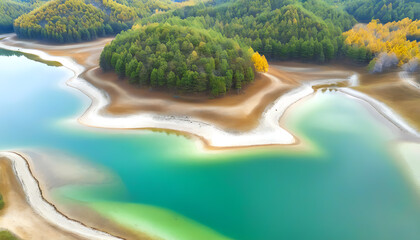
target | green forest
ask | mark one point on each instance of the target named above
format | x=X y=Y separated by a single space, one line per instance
x=145 y=8
x=384 y=10
x=75 y=20
x=180 y=58
x=65 y=21
x=12 y=9
x=279 y=29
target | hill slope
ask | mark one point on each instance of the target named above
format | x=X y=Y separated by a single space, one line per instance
x=281 y=29
x=74 y=20
x=65 y=21
x=12 y=9
x=384 y=10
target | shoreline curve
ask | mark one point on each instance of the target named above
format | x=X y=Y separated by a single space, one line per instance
x=384 y=111
x=45 y=209
x=268 y=132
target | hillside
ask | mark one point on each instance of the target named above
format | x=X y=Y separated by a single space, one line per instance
x=179 y=58
x=64 y=21
x=145 y=8
x=12 y=9
x=384 y=10
x=74 y=20
x=279 y=29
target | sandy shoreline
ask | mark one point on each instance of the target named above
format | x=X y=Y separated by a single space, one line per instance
x=385 y=111
x=410 y=80
x=266 y=132
x=46 y=210
x=398 y=91
x=18 y=216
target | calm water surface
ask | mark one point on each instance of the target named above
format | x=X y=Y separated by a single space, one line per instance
x=347 y=184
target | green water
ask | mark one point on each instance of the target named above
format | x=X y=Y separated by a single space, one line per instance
x=346 y=184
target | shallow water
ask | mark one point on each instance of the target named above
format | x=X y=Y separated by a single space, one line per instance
x=346 y=184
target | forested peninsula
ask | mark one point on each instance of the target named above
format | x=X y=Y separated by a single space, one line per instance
x=180 y=58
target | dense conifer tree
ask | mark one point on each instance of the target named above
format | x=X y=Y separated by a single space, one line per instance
x=183 y=58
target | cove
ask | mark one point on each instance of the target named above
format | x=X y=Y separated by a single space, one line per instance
x=348 y=184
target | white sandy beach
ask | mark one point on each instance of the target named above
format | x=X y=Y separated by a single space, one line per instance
x=43 y=208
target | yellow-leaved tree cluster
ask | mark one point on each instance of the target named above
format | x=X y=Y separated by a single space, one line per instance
x=260 y=62
x=394 y=37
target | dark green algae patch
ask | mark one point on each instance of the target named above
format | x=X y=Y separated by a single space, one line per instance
x=30 y=56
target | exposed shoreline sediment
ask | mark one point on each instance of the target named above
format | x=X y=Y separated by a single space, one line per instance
x=404 y=75
x=43 y=208
x=268 y=132
x=384 y=110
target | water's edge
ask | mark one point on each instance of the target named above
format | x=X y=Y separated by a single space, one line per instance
x=45 y=209
x=268 y=132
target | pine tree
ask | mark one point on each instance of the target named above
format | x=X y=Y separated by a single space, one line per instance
x=154 y=78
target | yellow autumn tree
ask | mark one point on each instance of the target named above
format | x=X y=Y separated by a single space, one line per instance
x=260 y=62
x=136 y=26
x=393 y=37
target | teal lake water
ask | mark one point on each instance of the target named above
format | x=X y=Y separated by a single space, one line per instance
x=347 y=184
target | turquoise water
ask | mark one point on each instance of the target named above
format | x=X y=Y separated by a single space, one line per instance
x=347 y=184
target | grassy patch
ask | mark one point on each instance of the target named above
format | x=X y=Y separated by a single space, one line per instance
x=6 y=235
x=30 y=56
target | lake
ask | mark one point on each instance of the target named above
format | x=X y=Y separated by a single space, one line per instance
x=345 y=181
